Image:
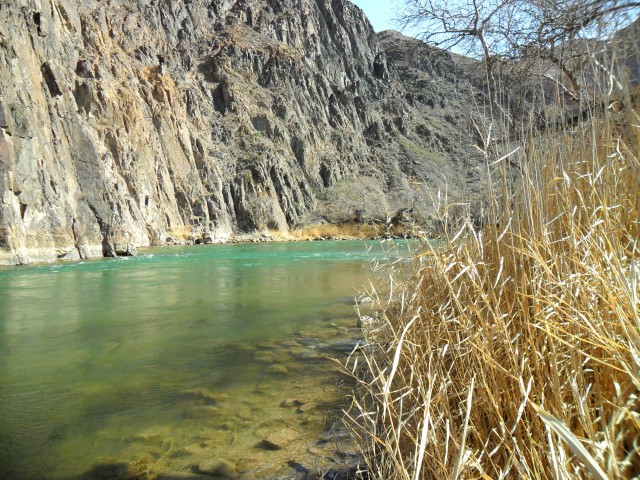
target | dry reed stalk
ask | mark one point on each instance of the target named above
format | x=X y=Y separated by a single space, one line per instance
x=514 y=352
x=345 y=230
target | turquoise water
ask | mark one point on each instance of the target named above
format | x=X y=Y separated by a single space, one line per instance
x=176 y=355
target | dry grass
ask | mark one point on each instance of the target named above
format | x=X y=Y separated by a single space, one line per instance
x=344 y=230
x=514 y=352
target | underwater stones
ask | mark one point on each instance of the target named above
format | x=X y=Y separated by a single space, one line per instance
x=344 y=473
x=110 y=470
x=280 y=439
x=219 y=396
x=307 y=407
x=335 y=434
x=277 y=369
x=364 y=300
x=339 y=346
x=247 y=348
x=246 y=464
x=365 y=321
x=243 y=412
x=149 y=438
x=223 y=427
x=309 y=340
x=182 y=476
x=206 y=411
x=298 y=471
x=298 y=351
x=194 y=451
x=301 y=405
x=307 y=335
x=266 y=357
x=206 y=396
x=217 y=467
x=292 y=402
x=305 y=354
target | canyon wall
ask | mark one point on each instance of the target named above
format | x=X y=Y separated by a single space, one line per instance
x=128 y=123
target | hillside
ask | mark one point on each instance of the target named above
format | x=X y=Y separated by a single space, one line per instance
x=126 y=124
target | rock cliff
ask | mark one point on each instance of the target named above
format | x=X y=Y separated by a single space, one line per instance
x=126 y=123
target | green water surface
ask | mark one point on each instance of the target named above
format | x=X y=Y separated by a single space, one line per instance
x=99 y=360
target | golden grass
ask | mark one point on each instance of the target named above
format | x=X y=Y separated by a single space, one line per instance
x=514 y=352
x=344 y=230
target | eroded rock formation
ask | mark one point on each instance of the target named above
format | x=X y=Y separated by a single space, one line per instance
x=126 y=123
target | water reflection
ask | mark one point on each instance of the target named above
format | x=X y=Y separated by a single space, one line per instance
x=94 y=353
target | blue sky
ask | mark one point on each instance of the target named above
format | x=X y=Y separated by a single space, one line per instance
x=380 y=12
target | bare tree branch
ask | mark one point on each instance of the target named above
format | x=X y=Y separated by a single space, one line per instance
x=502 y=30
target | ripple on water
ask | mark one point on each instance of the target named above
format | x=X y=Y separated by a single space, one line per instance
x=176 y=359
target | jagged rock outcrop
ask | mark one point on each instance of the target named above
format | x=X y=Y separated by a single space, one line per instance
x=126 y=123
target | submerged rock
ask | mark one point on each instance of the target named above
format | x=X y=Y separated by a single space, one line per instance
x=277 y=369
x=217 y=467
x=150 y=438
x=267 y=357
x=305 y=354
x=365 y=321
x=280 y=439
x=364 y=300
x=206 y=411
x=182 y=476
x=206 y=396
x=307 y=407
x=292 y=402
x=339 y=346
x=109 y=471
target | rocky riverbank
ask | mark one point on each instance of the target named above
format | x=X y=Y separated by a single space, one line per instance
x=313 y=233
x=288 y=426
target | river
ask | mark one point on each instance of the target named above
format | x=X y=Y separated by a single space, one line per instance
x=178 y=357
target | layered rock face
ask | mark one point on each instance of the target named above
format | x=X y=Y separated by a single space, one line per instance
x=127 y=123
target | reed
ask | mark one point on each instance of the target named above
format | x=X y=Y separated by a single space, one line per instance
x=349 y=230
x=514 y=351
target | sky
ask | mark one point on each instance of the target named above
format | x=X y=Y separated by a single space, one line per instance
x=380 y=12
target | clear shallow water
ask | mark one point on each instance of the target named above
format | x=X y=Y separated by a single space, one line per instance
x=174 y=356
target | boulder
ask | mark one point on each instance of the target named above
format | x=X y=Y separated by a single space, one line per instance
x=281 y=439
